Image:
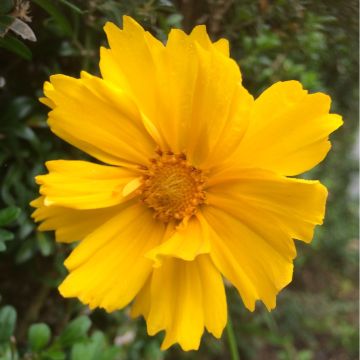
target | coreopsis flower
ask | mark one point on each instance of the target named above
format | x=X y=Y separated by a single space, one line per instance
x=191 y=185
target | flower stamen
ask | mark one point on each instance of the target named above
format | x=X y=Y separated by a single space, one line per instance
x=172 y=187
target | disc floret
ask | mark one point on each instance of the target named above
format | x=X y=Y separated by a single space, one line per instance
x=172 y=187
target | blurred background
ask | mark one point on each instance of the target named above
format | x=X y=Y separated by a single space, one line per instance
x=315 y=42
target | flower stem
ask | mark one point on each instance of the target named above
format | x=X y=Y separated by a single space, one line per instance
x=232 y=340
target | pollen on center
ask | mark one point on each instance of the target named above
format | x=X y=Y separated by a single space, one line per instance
x=172 y=187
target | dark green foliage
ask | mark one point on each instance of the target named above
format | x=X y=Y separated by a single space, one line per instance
x=76 y=330
x=7 y=323
x=315 y=42
x=7 y=216
x=74 y=342
x=38 y=336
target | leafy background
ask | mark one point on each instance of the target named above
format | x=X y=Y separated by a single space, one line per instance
x=313 y=41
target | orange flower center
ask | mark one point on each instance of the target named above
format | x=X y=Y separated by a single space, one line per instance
x=172 y=187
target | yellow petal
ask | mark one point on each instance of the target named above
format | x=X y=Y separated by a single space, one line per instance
x=246 y=258
x=189 y=240
x=296 y=205
x=203 y=120
x=109 y=268
x=183 y=105
x=98 y=118
x=214 y=298
x=47 y=102
x=288 y=130
x=226 y=139
x=132 y=62
x=222 y=45
x=142 y=302
x=131 y=186
x=83 y=185
x=182 y=297
x=200 y=35
x=254 y=214
x=176 y=304
x=69 y=224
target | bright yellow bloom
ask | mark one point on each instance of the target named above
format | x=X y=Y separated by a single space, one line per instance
x=196 y=184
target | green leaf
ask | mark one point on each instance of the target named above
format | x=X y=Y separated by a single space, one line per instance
x=8 y=215
x=81 y=351
x=53 y=354
x=5 y=22
x=7 y=351
x=28 y=134
x=57 y=15
x=72 y=6
x=39 y=336
x=112 y=353
x=75 y=331
x=16 y=46
x=6 y=235
x=95 y=348
x=26 y=251
x=6 y=6
x=7 y=322
x=18 y=108
x=44 y=243
x=175 y=20
x=152 y=351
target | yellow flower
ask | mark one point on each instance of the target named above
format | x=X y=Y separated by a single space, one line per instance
x=196 y=184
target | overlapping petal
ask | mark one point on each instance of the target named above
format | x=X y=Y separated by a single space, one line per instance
x=254 y=214
x=200 y=35
x=83 y=185
x=204 y=122
x=70 y=224
x=131 y=64
x=297 y=204
x=183 y=297
x=288 y=130
x=98 y=118
x=188 y=240
x=183 y=104
x=108 y=268
x=246 y=258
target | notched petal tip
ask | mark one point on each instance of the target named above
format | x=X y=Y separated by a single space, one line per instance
x=36 y=203
x=39 y=179
x=85 y=75
x=54 y=79
x=128 y=25
x=48 y=86
x=51 y=164
x=322 y=193
x=131 y=23
x=200 y=35
x=47 y=102
x=223 y=46
x=191 y=345
x=65 y=291
x=110 y=26
x=337 y=120
x=301 y=124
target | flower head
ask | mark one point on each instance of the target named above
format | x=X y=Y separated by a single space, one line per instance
x=193 y=183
